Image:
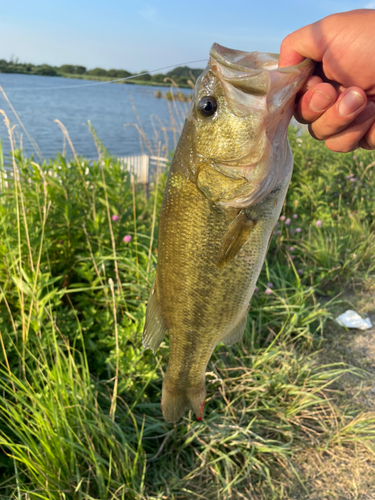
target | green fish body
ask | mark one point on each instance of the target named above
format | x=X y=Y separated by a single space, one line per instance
x=224 y=193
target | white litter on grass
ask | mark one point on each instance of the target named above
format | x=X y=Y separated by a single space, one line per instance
x=351 y=319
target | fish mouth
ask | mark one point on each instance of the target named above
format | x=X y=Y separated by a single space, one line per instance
x=254 y=79
x=241 y=61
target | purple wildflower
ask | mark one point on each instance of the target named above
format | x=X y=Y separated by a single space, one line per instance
x=295 y=216
x=267 y=291
x=127 y=238
x=291 y=249
x=278 y=232
x=292 y=257
x=115 y=218
x=282 y=217
x=354 y=157
x=298 y=230
x=269 y=285
x=300 y=271
x=318 y=223
x=256 y=289
x=287 y=222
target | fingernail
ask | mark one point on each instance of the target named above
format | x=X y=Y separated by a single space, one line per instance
x=351 y=101
x=319 y=101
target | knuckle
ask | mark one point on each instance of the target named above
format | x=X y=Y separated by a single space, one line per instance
x=285 y=43
x=340 y=146
x=328 y=125
x=314 y=134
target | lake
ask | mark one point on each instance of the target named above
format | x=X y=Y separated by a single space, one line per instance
x=39 y=100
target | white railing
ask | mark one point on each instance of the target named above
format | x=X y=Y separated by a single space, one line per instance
x=142 y=167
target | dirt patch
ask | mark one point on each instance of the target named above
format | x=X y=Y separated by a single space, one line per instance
x=339 y=473
x=346 y=470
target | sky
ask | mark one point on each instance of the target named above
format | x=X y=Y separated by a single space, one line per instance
x=141 y=35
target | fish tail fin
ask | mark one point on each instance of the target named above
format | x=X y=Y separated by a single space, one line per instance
x=175 y=401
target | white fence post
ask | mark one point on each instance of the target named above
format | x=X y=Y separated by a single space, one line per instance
x=139 y=166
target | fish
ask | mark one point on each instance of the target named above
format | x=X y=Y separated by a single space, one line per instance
x=224 y=193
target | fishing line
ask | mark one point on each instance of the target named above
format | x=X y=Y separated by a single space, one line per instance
x=32 y=141
x=102 y=83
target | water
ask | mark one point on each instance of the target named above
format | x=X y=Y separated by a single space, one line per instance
x=39 y=100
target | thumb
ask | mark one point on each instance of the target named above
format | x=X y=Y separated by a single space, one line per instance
x=305 y=42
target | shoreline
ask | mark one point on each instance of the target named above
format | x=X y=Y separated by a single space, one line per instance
x=130 y=81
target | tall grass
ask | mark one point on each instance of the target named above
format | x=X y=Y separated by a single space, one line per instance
x=80 y=399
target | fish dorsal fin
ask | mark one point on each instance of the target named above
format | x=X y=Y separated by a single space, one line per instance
x=236 y=334
x=154 y=330
x=235 y=238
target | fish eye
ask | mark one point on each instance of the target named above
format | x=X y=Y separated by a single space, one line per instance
x=207 y=106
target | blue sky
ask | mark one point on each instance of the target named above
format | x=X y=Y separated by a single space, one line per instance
x=138 y=35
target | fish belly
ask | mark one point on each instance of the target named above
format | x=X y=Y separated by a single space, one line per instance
x=201 y=303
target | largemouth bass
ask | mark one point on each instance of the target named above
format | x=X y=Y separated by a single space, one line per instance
x=224 y=193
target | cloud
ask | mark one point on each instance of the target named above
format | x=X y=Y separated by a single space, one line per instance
x=370 y=5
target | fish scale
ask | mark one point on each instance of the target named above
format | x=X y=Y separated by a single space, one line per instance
x=224 y=193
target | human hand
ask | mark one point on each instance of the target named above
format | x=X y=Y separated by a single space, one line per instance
x=338 y=101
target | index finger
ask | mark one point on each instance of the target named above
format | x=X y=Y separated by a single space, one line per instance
x=305 y=42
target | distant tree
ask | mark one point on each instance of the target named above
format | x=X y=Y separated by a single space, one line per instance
x=158 y=78
x=97 y=72
x=67 y=68
x=3 y=66
x=118 y=73
x=45 y=69
x=184 y=71
x=80 y=70
x=122 y=73
x=72 y=70
x=145 y=78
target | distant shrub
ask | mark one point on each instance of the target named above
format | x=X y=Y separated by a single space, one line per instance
x=72 y=69
x=97 y=72
x=44 y=70
x=146 y=77
x=118 y=73
x=159 y=77
x=80 y=70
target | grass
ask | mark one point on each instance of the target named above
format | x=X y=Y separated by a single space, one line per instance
x=80 y=399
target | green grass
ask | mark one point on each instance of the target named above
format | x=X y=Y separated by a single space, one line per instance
x=79 y=397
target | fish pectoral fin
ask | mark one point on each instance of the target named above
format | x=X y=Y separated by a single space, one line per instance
x=236 y=334
x=235 y=238
x=154 y=330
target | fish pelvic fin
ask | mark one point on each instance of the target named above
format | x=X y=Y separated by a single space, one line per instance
x=154 y=330
x=236 y=334
x=235 y=238
x=175 y=401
